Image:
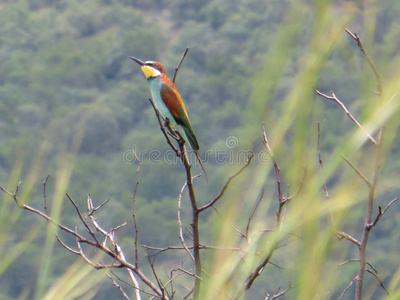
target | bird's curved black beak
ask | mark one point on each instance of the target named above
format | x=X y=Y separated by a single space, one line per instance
x=137 y=60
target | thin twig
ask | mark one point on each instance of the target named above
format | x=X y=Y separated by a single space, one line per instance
x=381 y=213
x=179 y=64
x=158 y=280
x=343 y=235
x=368 y=58
x=380 y=280
x=322 y=169
x=279 y=294
x=118 y=287
x=320 y=160
x=253 y=212
x=89 y=230
x=180 y=223
x=45 y=194
x=134 y=213
x=359 y=173
x=344 y=108
x=224 y=188
x=355 y=259
x=66 y=246
x=347 y=288
x=281 y=199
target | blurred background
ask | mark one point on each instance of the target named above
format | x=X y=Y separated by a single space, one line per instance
x=74 y=106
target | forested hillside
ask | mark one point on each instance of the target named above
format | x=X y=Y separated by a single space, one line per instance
x=73 y=105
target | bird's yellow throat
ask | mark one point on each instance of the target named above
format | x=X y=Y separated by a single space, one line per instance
x=150 y=72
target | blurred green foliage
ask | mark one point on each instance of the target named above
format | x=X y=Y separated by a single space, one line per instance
x=73 y=105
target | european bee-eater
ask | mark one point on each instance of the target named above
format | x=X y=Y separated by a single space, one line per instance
x=168 y=101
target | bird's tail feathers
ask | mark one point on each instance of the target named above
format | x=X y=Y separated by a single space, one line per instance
x=201 y=164
x=191 y=138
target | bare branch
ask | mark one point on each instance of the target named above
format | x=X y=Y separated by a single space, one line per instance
x=117 y=255
x=344 y=108
x=89 y=230
x=347 y=288
x=368 y=58
x=221 y=193
x=320 y=160
x=65 y=246
x=343 y=235
x=253 y=212
x=381 y=213
x=118 y=287
x=276 y=167
x=253 y=276
x=379 y=279
x=355 y=259
x=359 y=173
x=45 y=194
x=279 y=294
x=180 y=223
x=179 y=64
x=322 y=169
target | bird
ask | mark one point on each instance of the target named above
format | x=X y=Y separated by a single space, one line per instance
x=168 y=102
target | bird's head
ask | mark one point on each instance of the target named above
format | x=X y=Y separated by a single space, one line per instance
x=150 y=68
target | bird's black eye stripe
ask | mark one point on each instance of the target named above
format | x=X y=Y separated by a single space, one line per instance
x=154 y=65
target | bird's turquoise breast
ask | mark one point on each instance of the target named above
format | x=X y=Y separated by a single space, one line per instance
x=155 y=88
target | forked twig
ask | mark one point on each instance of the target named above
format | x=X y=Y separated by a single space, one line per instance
x=381 y=213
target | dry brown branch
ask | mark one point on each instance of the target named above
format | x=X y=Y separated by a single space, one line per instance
x=45 y=195
x=342 y=235
x=359 y=173
x=278 y=293
x=116 y=254
x=368 y=217
x=224 y=188
x=320 y=160
x=322 y=169
x=253 y=210
x=380 y=281
x=134 y=213
x=368 y=58
x=344 y=108
x=355 y=259
x=381 y=213
x=179 y=64
x=118 y=287
x=347 y=288
x=202 y=247
x=195 y=217
x=158 y=280
x=282 y=201
x=181 y=238
x=277 y=170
